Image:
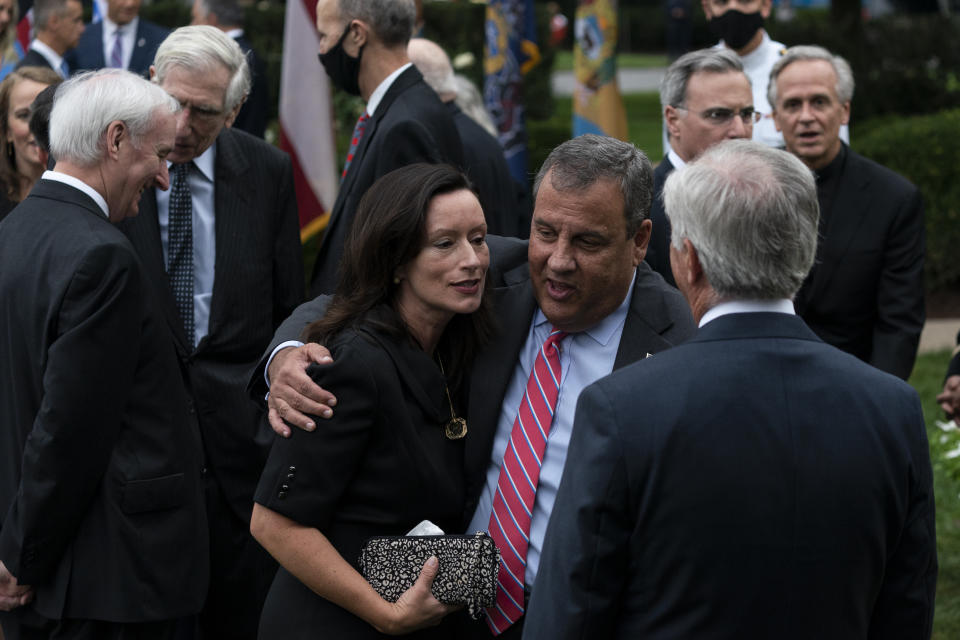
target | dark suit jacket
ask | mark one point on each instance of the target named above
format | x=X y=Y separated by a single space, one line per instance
x=258 y=280
x=865 y=292
x=485 y=165
x=103 y=512
x=89 y=52
x=33 y=58
x=953 y=369
x=410 y=125
x=765 y=485
x=255 y=111
x=658 y=250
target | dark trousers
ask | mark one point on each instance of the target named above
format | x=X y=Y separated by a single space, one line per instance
x=17 y=626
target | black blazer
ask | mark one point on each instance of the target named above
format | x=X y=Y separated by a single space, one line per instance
x=33 y=58
x=486 y=166
x=410 y=125
x=750 y=483
x=103 y=512
x=258 y=280
x=658 y=318
x=865 y=292
x=88 y=54
x=379 y=466
x=658 y=250
x=255 y=111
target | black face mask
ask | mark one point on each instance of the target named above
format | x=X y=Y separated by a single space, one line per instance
x=343 y=70
x=736 y=28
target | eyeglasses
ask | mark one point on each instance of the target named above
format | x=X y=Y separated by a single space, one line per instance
x=719 y=116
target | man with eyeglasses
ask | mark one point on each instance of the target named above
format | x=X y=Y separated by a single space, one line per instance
x=706 y=98
x=222 y=249
x=864 y=294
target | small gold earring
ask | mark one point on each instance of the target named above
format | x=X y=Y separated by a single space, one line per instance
x=396 y=279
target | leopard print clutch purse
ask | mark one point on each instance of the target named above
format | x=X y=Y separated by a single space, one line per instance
x=467 y=574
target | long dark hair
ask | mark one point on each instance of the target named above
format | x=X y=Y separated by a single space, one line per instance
x=388 y=232
x=9 y=175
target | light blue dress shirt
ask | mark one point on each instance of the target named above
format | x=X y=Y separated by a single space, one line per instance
x=201 y=185
x=585 y=357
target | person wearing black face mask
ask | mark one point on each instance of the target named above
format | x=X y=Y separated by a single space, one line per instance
x=365 y=54
x=739 y=25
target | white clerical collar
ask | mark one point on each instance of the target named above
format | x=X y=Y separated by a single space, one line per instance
x=781 y=305
x=76 y=183
x=675 y=160
x=381 y=89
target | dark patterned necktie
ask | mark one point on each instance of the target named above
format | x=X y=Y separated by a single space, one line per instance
x=354 y=141
x=180 y=247
x=116 y=55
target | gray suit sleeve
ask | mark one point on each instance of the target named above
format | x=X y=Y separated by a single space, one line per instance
x=584 y=565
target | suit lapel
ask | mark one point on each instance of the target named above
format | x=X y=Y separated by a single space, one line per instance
x=138 y=59
x=144 y=234
x=848 y=212
x=647 y=320
x=98 y=45
x=231 y=200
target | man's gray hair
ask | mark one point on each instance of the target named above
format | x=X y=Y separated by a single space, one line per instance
x=673 y=87
x=229 y=12
x=392 y=21
x=87 y=103
x=43 y=10
x=577 y=164
x=751 y=212
x=201 y=49
x=433 y=62
x=840 y=66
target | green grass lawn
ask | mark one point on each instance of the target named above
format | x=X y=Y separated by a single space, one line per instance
x=927 y=379
x=564 y=61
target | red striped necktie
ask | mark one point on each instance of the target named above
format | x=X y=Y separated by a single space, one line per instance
x=354 y=141
x=517 y=485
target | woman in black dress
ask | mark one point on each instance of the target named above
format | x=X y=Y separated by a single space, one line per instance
x=408 y=307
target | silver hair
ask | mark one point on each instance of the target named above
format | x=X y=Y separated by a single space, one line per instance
x=751 y=212
x=433 y=62
x=841 y=68
x=673 y=87
x=579 y=163
x=87 y=103
x=471 y=103
x=201 y=49
x=392 y=21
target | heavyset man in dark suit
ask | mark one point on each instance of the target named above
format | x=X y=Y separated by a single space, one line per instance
x=246 y=275
x=100 y=480
x=227 y=15
x=753 y=482
x=363 y=47
x=484 y=162
x=706 y=98
x=585 y=275
x=865 y=292
x=122 y=40
x=58 y=25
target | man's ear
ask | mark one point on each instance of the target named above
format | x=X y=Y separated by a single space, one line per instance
x=234 y=112
x=641 y=241
x=694 y=270
x=671 y=115
x=153 y=73
x=116 y=134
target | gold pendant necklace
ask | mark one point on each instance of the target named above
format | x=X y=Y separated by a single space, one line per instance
x=455 y=428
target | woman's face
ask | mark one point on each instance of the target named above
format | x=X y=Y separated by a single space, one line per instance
x=18 y=124
x=6 y=13
x=447 y=276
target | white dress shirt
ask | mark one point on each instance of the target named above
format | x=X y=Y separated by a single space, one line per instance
x=748 y=306
x=201 y=183
x=52 y=57
x=76 y=183
x=585 y=357
x=128 y=38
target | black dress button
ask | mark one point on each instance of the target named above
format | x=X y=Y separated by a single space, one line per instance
x=282 y=495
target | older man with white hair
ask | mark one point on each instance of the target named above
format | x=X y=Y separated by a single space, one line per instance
x=222 y=248
x=752 y=482
x=102 y=522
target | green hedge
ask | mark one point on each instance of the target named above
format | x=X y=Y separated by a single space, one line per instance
x=925 y=150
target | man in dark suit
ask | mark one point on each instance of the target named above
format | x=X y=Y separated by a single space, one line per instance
x=365 y=54
x=705 y=96
x=227 y=15
x=865 y=292
x=484 y=162
x=122 y=39
x=58 y=25
x=753 y=482
x=103 y=526
x=584 y=275
x=245 y=276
